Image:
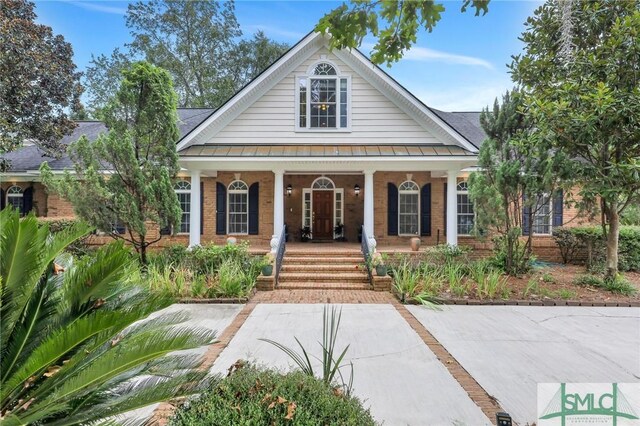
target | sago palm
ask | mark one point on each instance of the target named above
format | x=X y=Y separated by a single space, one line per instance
x=73 y=348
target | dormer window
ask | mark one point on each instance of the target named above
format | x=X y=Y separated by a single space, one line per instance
x=322 y=99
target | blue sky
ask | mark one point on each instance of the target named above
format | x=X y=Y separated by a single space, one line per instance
x=460 y=66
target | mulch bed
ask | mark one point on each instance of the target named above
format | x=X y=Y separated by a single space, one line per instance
x=563 y=277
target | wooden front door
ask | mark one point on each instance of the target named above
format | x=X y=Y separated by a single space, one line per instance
x=322 y=215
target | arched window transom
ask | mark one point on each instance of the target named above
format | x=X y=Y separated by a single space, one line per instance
x=238 y=208
x=466 y=215
x=323 y=183
x=409 y=208
x=324 y=68
x=322 y=99
x=15 y=198
x=183 y=192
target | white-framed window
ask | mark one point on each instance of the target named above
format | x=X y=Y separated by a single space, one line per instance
x=15 y=198
x=542 y=215
x=306 y=208
x=323 y=183
x=183 y=192
x=466 y=214
x=323 y=98
x=338 y=209
x=408 y=208
x=238 y=208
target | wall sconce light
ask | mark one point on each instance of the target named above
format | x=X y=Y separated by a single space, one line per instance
x=289 y=190
x=356 y=189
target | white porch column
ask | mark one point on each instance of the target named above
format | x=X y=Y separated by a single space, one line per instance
x=194 y=215
x=452 y=207
x=369 y=208
x=278 y=208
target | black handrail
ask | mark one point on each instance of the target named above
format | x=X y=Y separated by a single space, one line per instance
x=366 y=253
x=280 y=252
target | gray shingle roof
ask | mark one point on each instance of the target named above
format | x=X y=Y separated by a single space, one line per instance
x=465 y=123
x=30 y=157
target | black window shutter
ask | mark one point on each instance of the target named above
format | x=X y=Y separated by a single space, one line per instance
x=254 y=206
x=221 y=209
x=445 y=209
x=27 y=200
x=2 y=199
x=163 y=231
x=526 y=211
x=392 y=209
x=119 y=227
x=557 y=209
x=425 y=210
x=201 y=208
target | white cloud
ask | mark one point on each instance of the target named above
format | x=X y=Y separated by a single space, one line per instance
x=100 y=7
x=467 y=98
x=424 y=54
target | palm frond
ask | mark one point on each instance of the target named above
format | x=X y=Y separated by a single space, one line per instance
x=124 y=356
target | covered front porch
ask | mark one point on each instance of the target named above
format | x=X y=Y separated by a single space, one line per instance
x=337 y=200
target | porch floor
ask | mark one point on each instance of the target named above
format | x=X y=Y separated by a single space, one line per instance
x=329 y=247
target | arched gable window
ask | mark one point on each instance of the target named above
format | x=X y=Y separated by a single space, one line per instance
x=323 y=183
x=322 y=98
x=408 y=208
x=15 y=198
x=238 y=207
x=466 y=214
x=183 y=192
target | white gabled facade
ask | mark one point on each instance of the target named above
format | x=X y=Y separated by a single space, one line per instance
x=379 y=112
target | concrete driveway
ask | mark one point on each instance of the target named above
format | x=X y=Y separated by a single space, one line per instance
x=509 y=349
x=395 y=373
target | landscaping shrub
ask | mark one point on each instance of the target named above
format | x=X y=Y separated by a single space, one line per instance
x=568 y=243
x=78 y=247
x=591 y=238
x=522 y=262
x=631 y=215
x=254 y=396
x=204 y=271
x=619 y=285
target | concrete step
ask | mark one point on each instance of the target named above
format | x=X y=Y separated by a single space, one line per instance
x=312 y=267
x=345 y=277
x=327 y=260
x=319 y=285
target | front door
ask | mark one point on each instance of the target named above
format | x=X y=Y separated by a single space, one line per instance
x=322 y=215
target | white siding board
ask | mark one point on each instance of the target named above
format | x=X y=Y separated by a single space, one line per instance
x=374 y=118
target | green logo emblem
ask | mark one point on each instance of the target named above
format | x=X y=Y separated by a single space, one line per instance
x=609 y=404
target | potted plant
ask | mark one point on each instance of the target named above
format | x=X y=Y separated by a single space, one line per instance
x=338 y=231
x=267 y=265
x=378 y=262
x=305 y=234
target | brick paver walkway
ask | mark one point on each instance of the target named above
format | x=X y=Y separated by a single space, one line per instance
x=322 y=296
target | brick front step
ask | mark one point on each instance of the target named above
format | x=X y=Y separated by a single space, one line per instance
x=322 y=260
x=311 y=268
x=324 y=276
x=324 y=253
x=318 y=285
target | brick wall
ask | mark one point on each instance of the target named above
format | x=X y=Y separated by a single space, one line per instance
x=51 y=205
